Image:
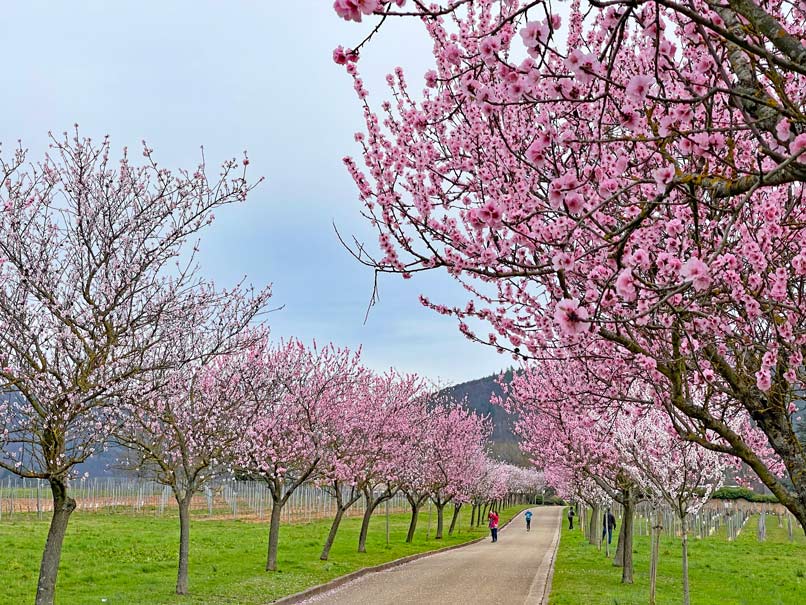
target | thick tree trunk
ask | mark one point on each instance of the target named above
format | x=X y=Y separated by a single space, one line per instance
x=618 y=558
x=415 y=514
x=342 y=507
x=370 y=508
x=684 y=531
x=657 y=526
x=184 y=544
x=331 y=536
x=440 y=520
x=63 y=506
x=595 y=527
x=456 y=509
x=627 y=531
x=274 y=533
x=473 y=515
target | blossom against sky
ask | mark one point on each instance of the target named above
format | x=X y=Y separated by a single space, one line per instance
x=234 y=76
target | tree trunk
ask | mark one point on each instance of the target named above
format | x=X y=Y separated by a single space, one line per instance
x=595 y=528
x=618 y=558
x=473 y=515
x=334 y=527
x=184 y=544
x=362 y=537
x=63 y=506
x=657 y=526
x=684 y=531
x=627 y=531
x=440 y=519
x=274 y=533
x=456 y=509
x=341 y=508
x=415 y=513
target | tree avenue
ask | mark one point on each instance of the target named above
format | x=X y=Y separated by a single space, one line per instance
x=625 y=180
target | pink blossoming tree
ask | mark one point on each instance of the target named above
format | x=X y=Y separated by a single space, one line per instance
x=299 y=394
x=183 y=434
x=680 y=473
x=612 y=432
x=375 y=437
x=633 y=173
x=455 y=456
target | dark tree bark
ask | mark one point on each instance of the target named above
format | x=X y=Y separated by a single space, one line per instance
x=342 y=506
x=618 y=558
x=372 y=504
x=483 y=514
x=627 y=531
x=280 y=493
x=415 y=503
x=274 y=533
x=455 y=518
x=331 y=536
x=184 y=543
x=63 y=507
x=440 y=518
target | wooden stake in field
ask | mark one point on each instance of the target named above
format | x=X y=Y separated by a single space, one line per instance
x=657 y=528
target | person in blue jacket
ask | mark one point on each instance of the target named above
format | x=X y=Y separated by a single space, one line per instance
x=528 y=517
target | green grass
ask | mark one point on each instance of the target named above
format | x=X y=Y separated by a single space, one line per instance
x=744 y=572
x=132 y=560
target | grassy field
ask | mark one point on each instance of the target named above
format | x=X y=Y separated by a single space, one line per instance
x=124 y=560
x=744 y=572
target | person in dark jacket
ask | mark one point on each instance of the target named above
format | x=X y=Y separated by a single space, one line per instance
x=571 y=514
x=608 y=525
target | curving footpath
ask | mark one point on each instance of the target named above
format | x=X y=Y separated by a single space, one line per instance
x=517 y=569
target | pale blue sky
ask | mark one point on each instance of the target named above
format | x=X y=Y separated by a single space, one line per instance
x=237 y=75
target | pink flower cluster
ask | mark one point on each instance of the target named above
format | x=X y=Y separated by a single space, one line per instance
x=354 y=10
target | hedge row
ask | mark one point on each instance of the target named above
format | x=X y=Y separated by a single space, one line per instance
x=736 y=493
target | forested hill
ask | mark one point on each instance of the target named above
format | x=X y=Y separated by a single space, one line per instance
x=477 y=394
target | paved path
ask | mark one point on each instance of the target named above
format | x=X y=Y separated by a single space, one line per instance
x=513 y=571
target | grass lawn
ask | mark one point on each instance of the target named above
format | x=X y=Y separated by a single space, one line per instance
x=125 y=560
x=744 y=572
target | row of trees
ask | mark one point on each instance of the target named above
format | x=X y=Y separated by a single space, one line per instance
x=621 y=184
x=600 y=440
x=285 y=414
x=108 y=332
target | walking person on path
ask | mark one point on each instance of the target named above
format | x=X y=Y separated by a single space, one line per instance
x=528 y=517
x=493 y=519
x=571 y=514
x=608 y=525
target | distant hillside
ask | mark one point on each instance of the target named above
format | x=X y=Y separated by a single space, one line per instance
x=477 y=395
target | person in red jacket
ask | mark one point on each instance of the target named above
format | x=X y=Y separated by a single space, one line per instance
x=493 y=519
